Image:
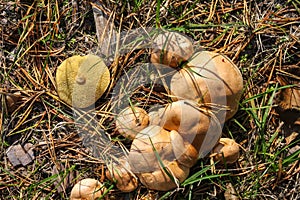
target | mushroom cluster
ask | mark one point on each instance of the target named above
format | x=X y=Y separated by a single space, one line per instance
x=169 y=141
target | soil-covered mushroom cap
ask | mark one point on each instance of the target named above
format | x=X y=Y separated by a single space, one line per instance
x=209 y=78
x=226 y=150
x=81 y=80
x=87 y=189
x=171 y=48
x=121 y=173
x=131 y=121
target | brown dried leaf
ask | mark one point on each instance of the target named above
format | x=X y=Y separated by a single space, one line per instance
x=12 y=100
x=289 y=98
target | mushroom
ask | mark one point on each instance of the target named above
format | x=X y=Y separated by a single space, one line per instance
x=171 y=48
x=87 y=189
x=160 y=158
x=131 y=121
x=185 y=153
x=154 y=117
x=197 y=125
x=227 y=150
x=126 y=181
x=151 y=142
x=165 y=178
x=209 y=78
x=155 y=146
x=81 y=80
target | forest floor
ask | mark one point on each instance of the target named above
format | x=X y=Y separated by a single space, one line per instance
x=261 y=37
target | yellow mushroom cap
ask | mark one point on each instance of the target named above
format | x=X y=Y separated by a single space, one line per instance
x=87 y=189
x=81 y=80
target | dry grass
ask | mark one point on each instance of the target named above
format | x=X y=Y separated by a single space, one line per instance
x=261 y=37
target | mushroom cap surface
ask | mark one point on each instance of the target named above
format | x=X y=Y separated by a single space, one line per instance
x=166 y=178
x=154 y=118
x=131 y=121
x=81 y=80
x=209 y=78
x=185 y=153
x=155 y=146
x=150 y=145
x=121 y=173
x=87 y=189
x=196 y=125
x=226 y=150
x=171 y=48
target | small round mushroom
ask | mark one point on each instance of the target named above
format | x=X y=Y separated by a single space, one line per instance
x=81 y=80
x=126 y=181
x=131 y=121
x=171 y=48
x=209 y=78
x=227 y=150
x=87 y=189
